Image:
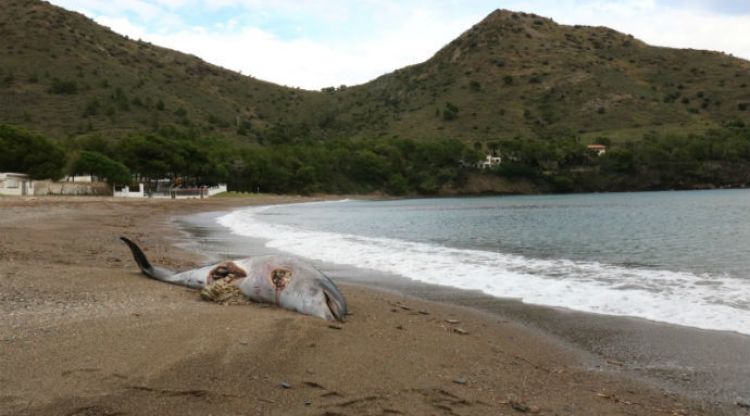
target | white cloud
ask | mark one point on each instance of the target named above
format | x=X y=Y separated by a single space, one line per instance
x=667 y=26
x=362 y=40
x=144 y=9
x=305 y=62
x=123 y=26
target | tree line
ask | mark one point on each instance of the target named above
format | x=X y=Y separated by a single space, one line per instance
x=719 y=157
x=392 y=166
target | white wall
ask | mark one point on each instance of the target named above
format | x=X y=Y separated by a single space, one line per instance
x=126 y=193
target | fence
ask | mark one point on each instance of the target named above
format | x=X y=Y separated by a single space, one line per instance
x=174 y=193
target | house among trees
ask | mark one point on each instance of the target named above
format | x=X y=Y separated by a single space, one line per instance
x=597 y=149
x=490 y=161
x=16 y=184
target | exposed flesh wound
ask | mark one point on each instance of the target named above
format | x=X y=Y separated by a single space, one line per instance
x=280 y=278
x=226 y=270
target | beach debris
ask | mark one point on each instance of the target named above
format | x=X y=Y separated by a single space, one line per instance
x=744 y=404
x=615 y=363
x=285 y=385
x=423 y=312
x=335 y=326
x=519 y=406
x=616 y=399
x=401 y=327
x=224 y=292
x=314 y=385
x=357 y=400
x=460 y=331
x=453 y=321
x=404 y=307
x=459 y=380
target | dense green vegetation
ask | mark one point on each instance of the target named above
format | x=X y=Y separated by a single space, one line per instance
x=337 y=166
x=21 y=151
x=719 y=157
x=716 y=158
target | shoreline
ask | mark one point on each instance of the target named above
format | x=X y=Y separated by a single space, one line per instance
x=85 y=333
x=715 y=366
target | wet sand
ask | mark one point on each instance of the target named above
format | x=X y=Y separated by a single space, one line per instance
x=83 y=333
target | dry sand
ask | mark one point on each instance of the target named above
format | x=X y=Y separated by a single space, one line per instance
x=83 y=333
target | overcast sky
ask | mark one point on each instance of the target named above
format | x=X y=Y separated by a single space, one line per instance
x=318 y=43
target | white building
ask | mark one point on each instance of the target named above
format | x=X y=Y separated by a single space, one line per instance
x=490 y=161
x=16 y=184
x=597 y=149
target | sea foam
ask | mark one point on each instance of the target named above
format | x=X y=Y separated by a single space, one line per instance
x=702 y=301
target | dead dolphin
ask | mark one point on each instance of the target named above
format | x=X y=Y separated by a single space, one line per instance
x=285 y=281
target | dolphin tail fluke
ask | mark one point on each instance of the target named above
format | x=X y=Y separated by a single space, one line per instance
x=157 y=273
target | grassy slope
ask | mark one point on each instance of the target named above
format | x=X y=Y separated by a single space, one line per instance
x=40 y=43
x=583 y=80
x=588 y=80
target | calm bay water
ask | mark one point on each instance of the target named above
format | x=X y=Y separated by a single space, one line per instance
x=678 y=257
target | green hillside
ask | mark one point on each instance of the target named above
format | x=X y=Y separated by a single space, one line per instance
x=62 y=74
x=77 y=98
x=521 y=74
x=512 y=74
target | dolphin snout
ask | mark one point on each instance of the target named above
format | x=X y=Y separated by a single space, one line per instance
x=335 y=300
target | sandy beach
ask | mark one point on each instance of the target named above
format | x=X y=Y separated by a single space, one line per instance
x=83 y=333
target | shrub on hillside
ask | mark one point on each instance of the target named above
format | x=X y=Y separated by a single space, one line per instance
x=450 y=112
x=63 y=87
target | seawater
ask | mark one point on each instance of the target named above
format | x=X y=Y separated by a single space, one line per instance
x=675 y=257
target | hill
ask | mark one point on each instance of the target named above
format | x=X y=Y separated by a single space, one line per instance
x=62 y=74
x=520 y=74
x=513 y=74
